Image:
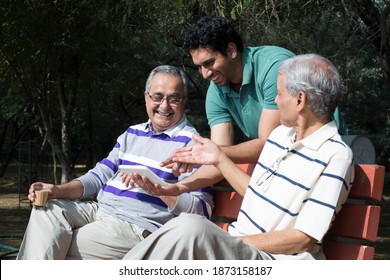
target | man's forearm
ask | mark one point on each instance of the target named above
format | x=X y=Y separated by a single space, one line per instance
x=288 y=241
x=246 y=152
x=236 y=177
x=205 y=176
x=72 y=190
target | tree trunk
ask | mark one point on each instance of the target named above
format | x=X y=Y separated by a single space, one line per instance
x=66 y=101
x=65 y=141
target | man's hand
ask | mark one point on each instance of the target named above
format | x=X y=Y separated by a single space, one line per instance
x=39 y=186
x=137 y=181
x=207 y=152
x=177 y=167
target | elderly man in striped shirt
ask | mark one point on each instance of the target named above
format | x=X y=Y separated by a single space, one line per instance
x=122 y=216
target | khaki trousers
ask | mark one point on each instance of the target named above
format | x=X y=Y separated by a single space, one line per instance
x=76 y=230
x=193 y=237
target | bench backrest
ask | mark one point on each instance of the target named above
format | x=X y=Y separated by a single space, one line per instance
x=355 y=228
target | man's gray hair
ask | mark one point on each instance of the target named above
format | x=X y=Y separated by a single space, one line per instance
x=168 y=69
x=318 y=78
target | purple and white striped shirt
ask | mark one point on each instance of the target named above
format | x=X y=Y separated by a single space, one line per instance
x=139 y=145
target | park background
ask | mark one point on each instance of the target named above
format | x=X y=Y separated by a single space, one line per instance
x=72 y=77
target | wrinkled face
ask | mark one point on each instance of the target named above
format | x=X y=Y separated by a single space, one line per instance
x=164 y=115
x=287 y=103
x=213 y=66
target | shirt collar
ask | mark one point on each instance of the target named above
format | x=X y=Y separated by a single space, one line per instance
x=247 y=67
x=316 y=139
x=171 y=132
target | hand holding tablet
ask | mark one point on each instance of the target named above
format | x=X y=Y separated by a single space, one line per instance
x=143 y=171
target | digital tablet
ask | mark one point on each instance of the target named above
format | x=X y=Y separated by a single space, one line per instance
x=143 y=171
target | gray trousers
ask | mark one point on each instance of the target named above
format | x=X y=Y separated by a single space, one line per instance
x=76 y=230
x=193 y=237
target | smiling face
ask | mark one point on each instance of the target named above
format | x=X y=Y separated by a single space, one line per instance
x=216 y=67
x=164 y=116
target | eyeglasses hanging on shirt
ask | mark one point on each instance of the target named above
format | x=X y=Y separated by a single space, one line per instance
x=264 y=179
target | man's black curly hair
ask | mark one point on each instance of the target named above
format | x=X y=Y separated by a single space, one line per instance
x=214 y=33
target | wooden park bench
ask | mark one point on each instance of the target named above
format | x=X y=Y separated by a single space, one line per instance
x=354 y=231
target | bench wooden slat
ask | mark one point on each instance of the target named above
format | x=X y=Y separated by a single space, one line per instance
x=357 y=221
x=343 y=251
x=368 y=182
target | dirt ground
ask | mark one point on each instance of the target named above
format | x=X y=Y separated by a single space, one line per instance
x=15 y=210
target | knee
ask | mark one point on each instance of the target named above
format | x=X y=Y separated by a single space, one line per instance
x=57 y=205
x=51 y=205
x=191 y=224
x=55 y=208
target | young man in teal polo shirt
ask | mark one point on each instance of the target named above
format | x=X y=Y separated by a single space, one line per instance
x=242 y=85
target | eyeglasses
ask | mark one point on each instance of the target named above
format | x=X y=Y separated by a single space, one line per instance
x=173 y=100
x=270 y=171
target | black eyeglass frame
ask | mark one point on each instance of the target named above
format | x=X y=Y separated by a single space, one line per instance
x=171 y=99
